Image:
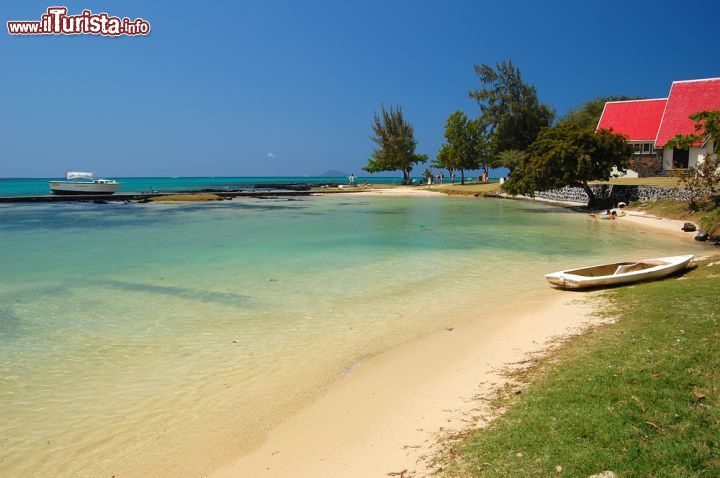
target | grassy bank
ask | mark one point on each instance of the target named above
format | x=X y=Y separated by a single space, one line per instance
x=658 y=181
x=707 y=217
x=668 y=208
x=639 y=397
x=469 y=189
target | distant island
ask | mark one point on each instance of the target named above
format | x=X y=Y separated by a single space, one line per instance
x=333 y=173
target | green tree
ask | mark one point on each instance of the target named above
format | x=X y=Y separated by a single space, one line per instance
x=510 y=159
x=445 y=160
x=395 y=140
x=466 y=144
x=510 y=107
x=704 y=177
x=588 y=114
x=481 y=144
x=568 y=155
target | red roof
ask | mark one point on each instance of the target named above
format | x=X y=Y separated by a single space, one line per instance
x=639 y=120
x=686 y=98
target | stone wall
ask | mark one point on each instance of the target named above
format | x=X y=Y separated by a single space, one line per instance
x=609 y=195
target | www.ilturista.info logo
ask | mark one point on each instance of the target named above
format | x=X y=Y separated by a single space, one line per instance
x=57 y=22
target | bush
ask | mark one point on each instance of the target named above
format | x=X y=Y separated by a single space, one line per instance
x=711 y=223
x=646 y=166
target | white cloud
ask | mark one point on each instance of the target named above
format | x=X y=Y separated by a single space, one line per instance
x=271 y=155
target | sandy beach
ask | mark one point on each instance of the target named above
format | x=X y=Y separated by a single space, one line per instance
x=388 y=412
x=658 y=224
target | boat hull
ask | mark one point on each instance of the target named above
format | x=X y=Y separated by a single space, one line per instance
x=66 y=188
x=661 y=267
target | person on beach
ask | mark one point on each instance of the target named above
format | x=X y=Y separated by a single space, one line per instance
x=452 y=177
x=351 y=180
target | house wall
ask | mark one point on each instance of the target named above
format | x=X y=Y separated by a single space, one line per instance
x=696 y=155
x=667 y=158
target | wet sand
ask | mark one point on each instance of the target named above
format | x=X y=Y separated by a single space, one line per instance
x=389 y=411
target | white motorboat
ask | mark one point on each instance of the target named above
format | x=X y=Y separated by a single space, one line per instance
x=84 y=183
x=618 y=273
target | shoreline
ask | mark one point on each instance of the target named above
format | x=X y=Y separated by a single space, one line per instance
x=390 y=410
x=391 y=413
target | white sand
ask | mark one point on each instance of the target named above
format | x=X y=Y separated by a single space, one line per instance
x=387 y=413
x=395 y=191
x=667 y=226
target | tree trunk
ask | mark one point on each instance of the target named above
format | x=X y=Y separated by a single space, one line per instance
x=462 y=176
x=591 y=196
x=406 y=177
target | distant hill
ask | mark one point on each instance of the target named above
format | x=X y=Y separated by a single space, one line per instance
x=333 y=174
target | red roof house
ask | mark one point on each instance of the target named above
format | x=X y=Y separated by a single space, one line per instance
x=650 y=124
x=686 y=98
x=639 y=120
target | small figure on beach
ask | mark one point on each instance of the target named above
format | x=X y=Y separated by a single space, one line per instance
x=452 y=177
x=351 y=180
x=485 y=177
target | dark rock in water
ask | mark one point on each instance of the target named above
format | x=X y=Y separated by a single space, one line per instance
x=702 y=236
x=689 y=227
x=717 y=241
x=99 y=201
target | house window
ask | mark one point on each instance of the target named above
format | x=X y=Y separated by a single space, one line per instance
x=643 y=148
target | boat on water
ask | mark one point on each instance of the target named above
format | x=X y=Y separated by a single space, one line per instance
x=618 y=273
x=84 y=183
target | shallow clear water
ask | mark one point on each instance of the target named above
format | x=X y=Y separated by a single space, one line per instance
x=160 y=339
x=40 y=186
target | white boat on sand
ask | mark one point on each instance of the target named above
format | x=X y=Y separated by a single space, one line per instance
x=83 y=183
x=618 y=273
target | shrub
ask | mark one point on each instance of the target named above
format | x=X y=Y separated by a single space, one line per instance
x=646 y=166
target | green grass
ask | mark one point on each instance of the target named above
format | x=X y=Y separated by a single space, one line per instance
x=469 y=189
x=639 y=397
x=664 y=182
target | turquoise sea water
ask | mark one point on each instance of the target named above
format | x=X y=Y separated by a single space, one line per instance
x=39 y=186
x=157 y=340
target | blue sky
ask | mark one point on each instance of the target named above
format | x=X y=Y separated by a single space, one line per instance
x=289 y=88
